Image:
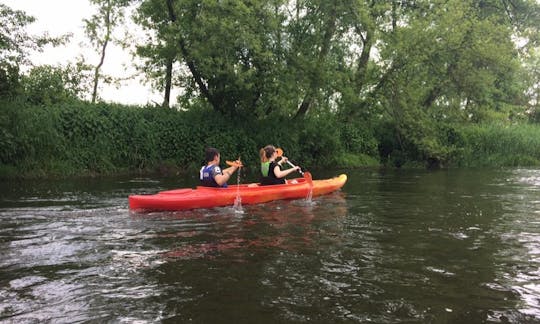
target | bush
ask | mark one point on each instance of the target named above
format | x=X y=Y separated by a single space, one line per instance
x=82 y=138
x=496 y=146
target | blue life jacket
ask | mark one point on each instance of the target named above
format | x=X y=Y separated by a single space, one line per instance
x=206 y=175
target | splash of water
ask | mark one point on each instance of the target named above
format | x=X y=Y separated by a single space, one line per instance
x=310 y=192
x=238 y=201
x=309 y=195
x=238 y=205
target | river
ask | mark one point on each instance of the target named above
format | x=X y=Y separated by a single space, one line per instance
x=414 y=246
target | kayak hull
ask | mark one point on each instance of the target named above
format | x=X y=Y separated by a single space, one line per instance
x=254 y=193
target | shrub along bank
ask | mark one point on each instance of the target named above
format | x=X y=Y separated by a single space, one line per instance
x=81 y=138
x=496 y=145
x=84 y=139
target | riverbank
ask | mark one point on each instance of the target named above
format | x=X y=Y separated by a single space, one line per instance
x=81 y=139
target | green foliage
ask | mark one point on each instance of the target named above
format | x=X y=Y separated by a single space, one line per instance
x=350 y=160
x=99 y=30
x=400 y=81
x=534 y=115
x=358 y=138
x=15 y=47
x=228 y=47
x=81 y=138
x=441 y=67
x=452 y=59
x=496 y=145
x=14 y=41
x=9 y=80
x=47 y=85
x=28 y=136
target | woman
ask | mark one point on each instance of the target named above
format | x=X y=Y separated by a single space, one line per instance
x=270 y=169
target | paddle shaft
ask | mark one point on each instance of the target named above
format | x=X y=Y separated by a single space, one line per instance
x=292 y=165
x=280 y=154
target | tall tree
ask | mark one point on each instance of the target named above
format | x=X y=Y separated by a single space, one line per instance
x=326 y=32
x=369 y=20
x=441 y=58
x=99 y=29
x=226 y=46
x=160 y=51
x=16 y=45
x=169 y=59
x=447 y=61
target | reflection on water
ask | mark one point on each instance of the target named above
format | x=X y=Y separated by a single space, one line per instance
x=396 y=246
x=520 y=228
x=275 y=225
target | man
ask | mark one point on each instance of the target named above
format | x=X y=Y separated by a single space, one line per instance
x=211 y=174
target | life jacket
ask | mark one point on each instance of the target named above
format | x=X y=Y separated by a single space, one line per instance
x=268 y=176
x=206 y=175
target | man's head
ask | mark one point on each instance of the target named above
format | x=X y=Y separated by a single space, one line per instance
x=210 y=154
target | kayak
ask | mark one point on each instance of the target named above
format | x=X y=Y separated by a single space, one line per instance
x=253 y=193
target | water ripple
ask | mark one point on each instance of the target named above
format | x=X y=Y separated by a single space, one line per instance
x=392 y=247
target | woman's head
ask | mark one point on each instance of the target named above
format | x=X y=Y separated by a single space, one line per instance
x=267 y=152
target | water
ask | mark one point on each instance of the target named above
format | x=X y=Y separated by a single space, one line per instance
x=393 y=246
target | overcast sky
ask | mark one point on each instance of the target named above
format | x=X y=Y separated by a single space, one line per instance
x=58 y=17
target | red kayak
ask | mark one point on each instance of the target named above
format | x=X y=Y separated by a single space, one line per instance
x=253 y=193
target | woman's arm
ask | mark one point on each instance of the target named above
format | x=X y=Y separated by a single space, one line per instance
x=283 y=173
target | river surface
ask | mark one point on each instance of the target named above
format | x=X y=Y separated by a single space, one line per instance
x=458 y=246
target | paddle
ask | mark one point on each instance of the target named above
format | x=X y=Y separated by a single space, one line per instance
x=309 y=179
x=237 y=163
x=307 y=176
x=280 y=154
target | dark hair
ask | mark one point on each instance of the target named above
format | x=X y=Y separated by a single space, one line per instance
x=269 y=150
x=210 y=153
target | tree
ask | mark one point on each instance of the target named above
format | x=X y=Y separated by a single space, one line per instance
x=99 y=29
x=47 y=85
x=160 y=52
x=226 y=47
x=323 y=17
x=533 y=68
x=447 y=61
x=16 y=45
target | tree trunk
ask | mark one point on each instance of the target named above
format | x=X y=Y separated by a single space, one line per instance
x=325 y=48
x=363 y=60
x=168 y=83
x=197 y=77
x=103 y=49
x=169 y=63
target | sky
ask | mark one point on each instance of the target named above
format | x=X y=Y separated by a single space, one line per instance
x=59 y=17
